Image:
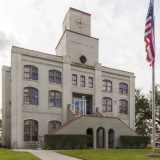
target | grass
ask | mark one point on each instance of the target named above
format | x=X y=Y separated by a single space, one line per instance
x=8 y=154
x=111 y=154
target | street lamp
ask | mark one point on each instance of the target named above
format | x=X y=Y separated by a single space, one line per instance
x=83 y=98
x=115 y=107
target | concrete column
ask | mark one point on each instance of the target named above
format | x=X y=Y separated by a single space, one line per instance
x=4 y=124
x=106 y=139
x=16 y=99
x=95 y=139
x=132 y=103
x=66 y=82
x=98 y=87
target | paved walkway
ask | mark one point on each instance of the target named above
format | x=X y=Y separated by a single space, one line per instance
x=47 y=154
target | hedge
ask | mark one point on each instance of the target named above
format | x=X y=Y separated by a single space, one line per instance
x=67 y=141
x=135 y=141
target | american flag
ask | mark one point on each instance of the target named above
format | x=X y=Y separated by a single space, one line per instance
x=149 y=37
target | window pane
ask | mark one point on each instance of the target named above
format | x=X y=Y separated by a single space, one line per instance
x=104 y=108
x=125 y=91
x=104 y=88
x=120 y=103
x=90 y=85
x=58 y=75
x=120 y=109
x=58 y=80
x=26 y=131
x=109 y=102
x=120 y=90
x=57 y=103
x=104 y=83
x=125 y=109
x=104 y=101
x=125 y=86
x=82 y=83
x=109 y=84
x=90 y=80
x=82 y=78
x=120 y=85
x=109 y=108
x=108 y=88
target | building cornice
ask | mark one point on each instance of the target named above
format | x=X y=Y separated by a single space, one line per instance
x=36 y=54
x=75 y=33
x=6 y=68
x=73 y=9
x=117 y=72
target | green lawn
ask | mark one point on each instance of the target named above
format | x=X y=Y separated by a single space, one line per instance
x=8 y=154
x=111 y=154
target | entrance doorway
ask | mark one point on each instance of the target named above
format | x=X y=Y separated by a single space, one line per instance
x=111 y=138
x=100 y=138
x=79 y=106
x=82 y=103
x=90 y=132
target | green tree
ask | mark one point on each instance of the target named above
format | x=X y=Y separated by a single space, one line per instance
x=157 y=107
x=0 y=124
x=143 y=112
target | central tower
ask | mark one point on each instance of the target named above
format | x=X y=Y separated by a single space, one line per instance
x=77 y=21
x=76 y=41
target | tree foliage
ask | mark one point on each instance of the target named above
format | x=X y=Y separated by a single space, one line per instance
x=0 y=124
x=143 y=111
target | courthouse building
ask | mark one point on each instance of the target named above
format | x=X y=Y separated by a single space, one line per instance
x=67 y=93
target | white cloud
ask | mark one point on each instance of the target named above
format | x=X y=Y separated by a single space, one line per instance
x=119 y=24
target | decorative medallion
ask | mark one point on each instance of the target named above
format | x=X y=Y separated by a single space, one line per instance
x=83 y=59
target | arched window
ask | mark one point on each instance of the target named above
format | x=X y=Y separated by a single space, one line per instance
x=54 y=99
x=107 y=104
x=54 y=76
x=30 y=130
x=123 y=106
x=30 y=72
x=30 y=96
x=53 y=125
x=107 y=85
x=123 y=88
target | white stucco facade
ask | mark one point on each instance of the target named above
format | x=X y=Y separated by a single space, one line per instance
x=76 y=41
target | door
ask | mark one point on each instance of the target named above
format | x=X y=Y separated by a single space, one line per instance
x=79 y=106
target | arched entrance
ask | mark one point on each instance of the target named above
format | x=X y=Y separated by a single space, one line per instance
x=111 y=138
x=90 y=132
x=100 y=137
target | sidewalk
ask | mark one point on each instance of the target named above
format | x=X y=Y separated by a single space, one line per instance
x=47 y=154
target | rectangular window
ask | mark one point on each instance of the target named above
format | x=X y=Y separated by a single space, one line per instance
x=31 y=96
x=74 y=79
x=54 y=99
x=82 y=81
x=107 y=85
x=90 y=82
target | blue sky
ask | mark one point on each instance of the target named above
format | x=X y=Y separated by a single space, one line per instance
x=119 y=25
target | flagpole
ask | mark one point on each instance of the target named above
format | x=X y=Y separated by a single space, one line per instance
x=153 y=97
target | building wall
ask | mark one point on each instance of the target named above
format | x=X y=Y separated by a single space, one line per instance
x=6 y=106
x=42 y=112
